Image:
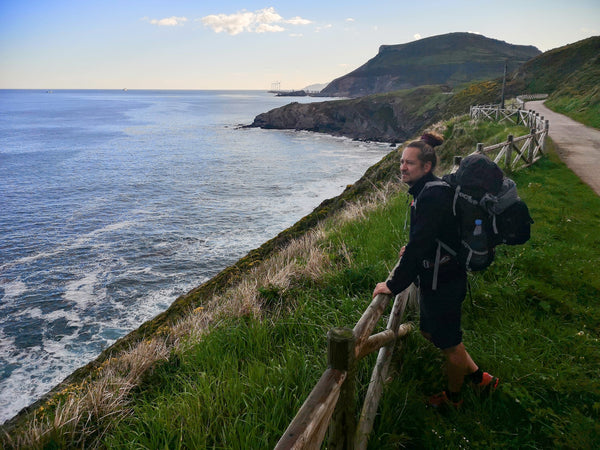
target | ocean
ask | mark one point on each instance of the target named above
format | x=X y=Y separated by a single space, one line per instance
x=114 y=203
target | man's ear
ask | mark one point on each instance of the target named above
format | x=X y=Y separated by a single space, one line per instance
x=427 y=167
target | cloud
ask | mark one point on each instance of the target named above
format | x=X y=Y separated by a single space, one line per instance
x=350 y=19
x=168 y=21
x=265 y=20
x=267 y=28
x=324 y=27
x=298 y=21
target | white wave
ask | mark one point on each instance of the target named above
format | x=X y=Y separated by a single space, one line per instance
x=76 y=243
x=33 y=313
x=7 y=345
x=14 y=289
x=86 y=291
x=19 y=389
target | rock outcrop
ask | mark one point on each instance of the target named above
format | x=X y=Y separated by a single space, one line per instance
x=384 y=118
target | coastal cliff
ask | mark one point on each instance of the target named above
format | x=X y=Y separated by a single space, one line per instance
x=392 y=117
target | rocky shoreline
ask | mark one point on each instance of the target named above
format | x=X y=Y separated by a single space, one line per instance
x=381 y=118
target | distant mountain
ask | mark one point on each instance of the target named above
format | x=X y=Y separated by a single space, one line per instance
x=451 y=59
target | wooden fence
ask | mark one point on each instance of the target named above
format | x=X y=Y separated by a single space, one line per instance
x=332 y=403
x=521 y=99
x=519 y=151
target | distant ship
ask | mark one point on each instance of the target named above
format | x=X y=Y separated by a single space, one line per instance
x=124 y=89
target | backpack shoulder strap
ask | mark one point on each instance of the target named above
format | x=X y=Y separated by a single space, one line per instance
x=431 y=184
x=435 y=183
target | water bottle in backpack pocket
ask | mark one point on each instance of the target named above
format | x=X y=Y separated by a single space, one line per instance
x=475 y=252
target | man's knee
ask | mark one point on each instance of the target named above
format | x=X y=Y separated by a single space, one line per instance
x=456 y=354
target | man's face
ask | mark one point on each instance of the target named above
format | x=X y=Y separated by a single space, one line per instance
x=411 y=168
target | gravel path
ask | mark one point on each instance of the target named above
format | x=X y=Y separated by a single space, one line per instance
x=579 y=146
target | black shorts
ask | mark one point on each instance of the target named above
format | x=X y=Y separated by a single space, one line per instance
x=441 y=312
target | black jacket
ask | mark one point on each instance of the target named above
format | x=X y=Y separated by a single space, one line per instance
x=431 y=218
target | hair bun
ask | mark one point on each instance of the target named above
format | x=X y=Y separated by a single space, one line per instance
x=432 y=139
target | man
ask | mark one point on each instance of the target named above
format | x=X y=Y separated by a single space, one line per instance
x=441 y=296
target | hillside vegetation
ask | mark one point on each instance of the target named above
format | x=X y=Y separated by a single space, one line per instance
x=234 y=369
x=571 y=75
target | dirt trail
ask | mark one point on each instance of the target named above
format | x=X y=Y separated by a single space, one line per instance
x=579 y=146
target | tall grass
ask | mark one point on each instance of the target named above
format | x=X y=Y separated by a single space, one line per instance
x=236 y=370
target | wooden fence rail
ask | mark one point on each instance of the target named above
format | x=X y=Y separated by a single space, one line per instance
x=517 y=152
x=331 y=405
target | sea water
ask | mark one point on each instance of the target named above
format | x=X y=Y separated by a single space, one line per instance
x=114 y=203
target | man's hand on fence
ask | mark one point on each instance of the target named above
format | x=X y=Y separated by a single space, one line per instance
x=381 y=288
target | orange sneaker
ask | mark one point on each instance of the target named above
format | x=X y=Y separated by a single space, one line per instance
x=489 y=383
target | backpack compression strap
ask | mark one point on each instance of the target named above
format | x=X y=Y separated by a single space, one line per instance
x=438 y=257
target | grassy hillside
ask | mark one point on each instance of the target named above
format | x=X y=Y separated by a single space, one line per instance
x=549 y=71
x=233 y=372
x=579 y=96
x=570 y=74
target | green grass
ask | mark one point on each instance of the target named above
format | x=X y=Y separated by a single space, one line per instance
x=533 y=320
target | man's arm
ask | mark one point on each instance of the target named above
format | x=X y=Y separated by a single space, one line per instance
x=425 y=228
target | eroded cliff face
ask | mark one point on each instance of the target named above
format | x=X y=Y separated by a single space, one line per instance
x=384 y=118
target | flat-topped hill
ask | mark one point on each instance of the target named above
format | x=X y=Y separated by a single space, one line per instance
x=450 y=59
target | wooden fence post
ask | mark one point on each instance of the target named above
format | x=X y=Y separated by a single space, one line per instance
x=457 y=160
x=532 y=144
x=341 y=356
x=480 y=147
x=508 y=156
x=546 y=129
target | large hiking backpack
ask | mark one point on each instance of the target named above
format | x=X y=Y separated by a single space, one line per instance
x=489 y=213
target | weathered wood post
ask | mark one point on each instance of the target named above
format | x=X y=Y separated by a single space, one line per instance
x=480 y=147
x=341 y=356
x=532 y=145
x=546 y=130
x=508 y=155
x=531 y=148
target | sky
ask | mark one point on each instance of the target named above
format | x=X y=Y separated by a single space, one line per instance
x=205 y=44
